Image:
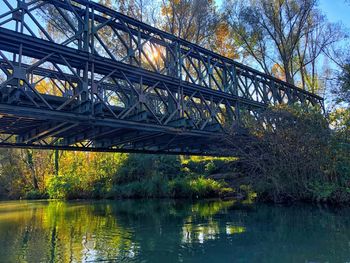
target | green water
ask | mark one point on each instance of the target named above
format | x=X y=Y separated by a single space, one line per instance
x=168 y=231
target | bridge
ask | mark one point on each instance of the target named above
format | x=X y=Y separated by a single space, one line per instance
x=76 y=75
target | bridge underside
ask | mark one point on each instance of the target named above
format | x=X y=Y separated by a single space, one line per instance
x=75 y=75
x=41 y=129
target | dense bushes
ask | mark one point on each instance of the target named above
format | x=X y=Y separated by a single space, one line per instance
x=150 y=176
x=206 y=165
x=182 y=187
x=137 y=167
x=292 y=154
x=100 y=175
x=64 y=187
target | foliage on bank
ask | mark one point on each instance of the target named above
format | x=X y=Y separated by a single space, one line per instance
x=108 y=175
x=295 y=154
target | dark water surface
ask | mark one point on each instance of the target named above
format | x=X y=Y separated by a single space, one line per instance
x=169 y=231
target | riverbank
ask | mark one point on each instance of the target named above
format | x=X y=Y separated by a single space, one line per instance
x=194 y=188
x=97 y=176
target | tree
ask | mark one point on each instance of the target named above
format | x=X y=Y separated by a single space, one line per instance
x=143 y=10
x=193 y=20
x=284 y=35
x=224 y=41
x=12 y=181
x=342 y=91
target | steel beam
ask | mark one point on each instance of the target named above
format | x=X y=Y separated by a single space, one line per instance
x=96 y=86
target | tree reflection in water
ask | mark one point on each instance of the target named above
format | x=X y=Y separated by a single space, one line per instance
x=170 y=231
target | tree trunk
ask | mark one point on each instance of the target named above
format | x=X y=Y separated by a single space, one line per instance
x=56 y=162
x=32 y=169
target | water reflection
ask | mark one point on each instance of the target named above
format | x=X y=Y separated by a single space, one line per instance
x=169 y=231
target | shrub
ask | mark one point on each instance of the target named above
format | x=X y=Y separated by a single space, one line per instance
x=138 y=167
x=35 y=194
x=180 y=187
x=64 y=187
x=100 y=188
x=291 y=154
x=205 y=165
x=288 y=155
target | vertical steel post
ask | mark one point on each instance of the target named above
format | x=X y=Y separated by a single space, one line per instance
x=172 y=63
x=235 y=92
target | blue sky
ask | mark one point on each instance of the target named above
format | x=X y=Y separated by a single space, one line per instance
x=336 y=11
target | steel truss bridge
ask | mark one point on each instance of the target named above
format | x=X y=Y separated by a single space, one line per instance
x=75 y=75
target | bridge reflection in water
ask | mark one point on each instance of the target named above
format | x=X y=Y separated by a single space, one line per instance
x=76 y=75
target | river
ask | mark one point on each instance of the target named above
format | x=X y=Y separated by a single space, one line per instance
x=171 y=231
